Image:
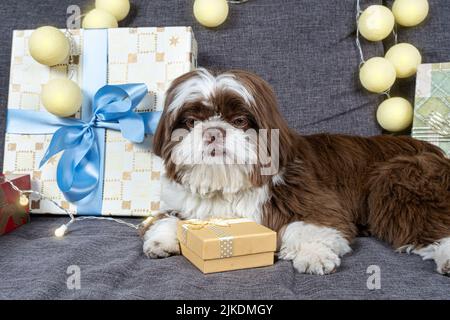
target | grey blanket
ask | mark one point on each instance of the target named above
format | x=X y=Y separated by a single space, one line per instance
x=35 y=264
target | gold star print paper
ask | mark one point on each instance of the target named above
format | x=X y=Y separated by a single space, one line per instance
x=174 y=41
x=53 y=161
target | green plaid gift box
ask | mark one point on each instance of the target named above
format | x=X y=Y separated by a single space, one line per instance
x=432 y=105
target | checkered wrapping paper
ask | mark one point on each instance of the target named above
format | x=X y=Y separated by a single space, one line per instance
x=432 y=101
x=154 y=56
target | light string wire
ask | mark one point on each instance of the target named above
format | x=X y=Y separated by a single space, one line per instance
x=71 y=62
x=61 y=231
x=358 y=42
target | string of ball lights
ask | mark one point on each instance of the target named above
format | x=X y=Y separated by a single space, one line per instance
x=378 y=74
x=376 y=23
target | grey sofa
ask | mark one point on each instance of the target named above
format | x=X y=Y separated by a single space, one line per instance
x=306 y=50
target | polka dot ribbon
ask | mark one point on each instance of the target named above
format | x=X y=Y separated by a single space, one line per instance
x=216 y=226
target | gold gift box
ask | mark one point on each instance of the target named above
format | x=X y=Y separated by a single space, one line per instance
x=225 y=245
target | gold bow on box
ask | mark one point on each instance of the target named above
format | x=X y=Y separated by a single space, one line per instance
x=218 y=227
x=198 y=224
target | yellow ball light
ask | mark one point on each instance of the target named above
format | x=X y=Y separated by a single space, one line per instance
x=377 y=74
x=23 y=200
x=409 y=13
x=61 y=97
x=61 y=231
x=376 y=23
x=99 y=19
x=211 y=13
x=118 y=8
x=395 y=114
x=405 y=58
x=49 y=46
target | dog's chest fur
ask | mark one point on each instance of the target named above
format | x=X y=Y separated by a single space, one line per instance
x=246 y=203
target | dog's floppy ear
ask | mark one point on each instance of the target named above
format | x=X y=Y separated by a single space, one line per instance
x=164 y=129
x=160 y=135
x=267 y=112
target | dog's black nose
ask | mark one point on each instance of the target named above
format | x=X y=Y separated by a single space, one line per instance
x=214 y=134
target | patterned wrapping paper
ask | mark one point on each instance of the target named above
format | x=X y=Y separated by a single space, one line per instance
x=154 y=56
x=432 y=105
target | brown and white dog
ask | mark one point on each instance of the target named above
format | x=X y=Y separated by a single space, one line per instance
x=318 y=192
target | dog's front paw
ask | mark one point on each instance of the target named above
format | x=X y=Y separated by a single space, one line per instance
x=313 y=249
x=442 y=257
x=444 y=268
x=316 y=258
x=160 y=248
x=160 y=241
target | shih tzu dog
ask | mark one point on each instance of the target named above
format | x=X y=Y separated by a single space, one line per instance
x=229 y=153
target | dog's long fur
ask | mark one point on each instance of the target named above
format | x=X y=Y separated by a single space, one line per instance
x=396 y=188
x=328 y=189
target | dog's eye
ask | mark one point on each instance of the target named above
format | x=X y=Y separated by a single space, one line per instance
x=189 y=122
x=240 y=122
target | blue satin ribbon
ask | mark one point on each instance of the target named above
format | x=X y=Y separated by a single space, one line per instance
x=79 y=169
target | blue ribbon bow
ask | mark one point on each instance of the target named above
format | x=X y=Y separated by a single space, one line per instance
x=78 y=170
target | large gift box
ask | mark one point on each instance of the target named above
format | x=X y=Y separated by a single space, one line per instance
x=224 y=245
x=127 y=178
x=432 y=105
x=13 y=209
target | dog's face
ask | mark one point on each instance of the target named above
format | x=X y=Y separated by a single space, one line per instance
x=217 y=133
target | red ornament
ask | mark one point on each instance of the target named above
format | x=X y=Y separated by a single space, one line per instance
x=12 y=214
